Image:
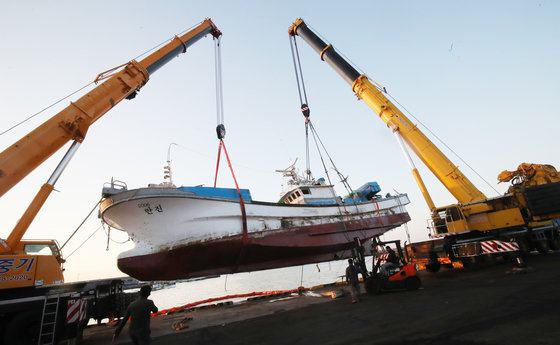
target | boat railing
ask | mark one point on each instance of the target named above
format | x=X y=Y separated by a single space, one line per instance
x=113 y=187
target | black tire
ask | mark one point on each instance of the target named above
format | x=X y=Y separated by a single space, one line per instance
x=542 y=246
x=472 y=262
x=525 y=247
x=23 y=328
x=554 y=243
x=507 y=257
x=373 y=286
x=412 y=283
x=489 y=259
x=433 y=267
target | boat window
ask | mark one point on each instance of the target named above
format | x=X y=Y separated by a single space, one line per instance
x=297 y=193
x=305 y=191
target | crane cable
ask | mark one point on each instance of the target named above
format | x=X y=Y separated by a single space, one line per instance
x=90 y=236
x=87 y=85
x=221 y=133
x=308 y=125
x=303 y=101
x=82 y=223
x=46 y=108
x=442 y=142
x=306 y=112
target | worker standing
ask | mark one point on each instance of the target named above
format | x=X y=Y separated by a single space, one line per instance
x=352 y=278
x=139 y=313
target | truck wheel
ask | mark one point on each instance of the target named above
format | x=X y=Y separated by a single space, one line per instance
x=554 y=243
x=23 y=329
x=489 y=259
x=542 y=246
x=373 y=286
x=433 y=267
x=525 y=246
x=471 y=262
x=412 y=283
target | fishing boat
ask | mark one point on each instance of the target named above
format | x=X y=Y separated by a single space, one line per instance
x=194 y=231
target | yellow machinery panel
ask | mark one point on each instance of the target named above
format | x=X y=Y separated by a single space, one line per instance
x=495 y=220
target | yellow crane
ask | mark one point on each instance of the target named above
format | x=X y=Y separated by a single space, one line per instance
x=527 y=216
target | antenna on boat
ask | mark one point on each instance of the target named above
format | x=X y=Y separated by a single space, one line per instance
x=291 y=173
x=167 y=169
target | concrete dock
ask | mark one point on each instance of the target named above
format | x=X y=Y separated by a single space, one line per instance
x=494 y=305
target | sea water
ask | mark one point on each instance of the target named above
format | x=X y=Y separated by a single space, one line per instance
x=287 y=278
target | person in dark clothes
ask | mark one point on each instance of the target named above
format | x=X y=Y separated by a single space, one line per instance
x=392 y=258
x=139 y=313
x=352 y=278
x=392 y=261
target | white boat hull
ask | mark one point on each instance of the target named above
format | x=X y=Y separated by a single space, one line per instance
x=179 y=234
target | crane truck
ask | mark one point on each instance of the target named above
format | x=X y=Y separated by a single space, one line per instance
x=476 y=228
x=35 y=303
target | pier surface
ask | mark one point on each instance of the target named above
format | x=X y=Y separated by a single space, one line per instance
x=461 y=307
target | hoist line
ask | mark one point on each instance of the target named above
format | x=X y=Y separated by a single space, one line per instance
x=313 y=133
x=342 y=179
x=299 y=73
x=220 y=129
x=82 y=223
x=344 y=183
x=307 y=160
x=442 y=142
x=219 y=87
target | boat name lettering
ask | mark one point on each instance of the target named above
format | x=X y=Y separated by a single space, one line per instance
x=150 y=209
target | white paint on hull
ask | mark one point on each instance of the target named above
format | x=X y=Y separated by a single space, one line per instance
x=159 y=219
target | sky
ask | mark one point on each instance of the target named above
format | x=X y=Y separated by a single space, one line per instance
x=482 y=76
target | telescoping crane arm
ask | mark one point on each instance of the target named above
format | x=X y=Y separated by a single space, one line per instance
x=449 y=175
x=72 y=123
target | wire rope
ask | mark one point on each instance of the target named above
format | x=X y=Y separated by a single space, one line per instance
x=44 y=109
x=112 y=240
x=87 y=239
x=218 y=76
x=87 y=85
x=82 y=223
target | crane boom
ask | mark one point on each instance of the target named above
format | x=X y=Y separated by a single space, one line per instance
x=449 y=174
x=476 y=228
x=24 y=266
x=72 y=123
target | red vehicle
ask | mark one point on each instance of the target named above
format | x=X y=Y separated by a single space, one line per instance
x=389 y=276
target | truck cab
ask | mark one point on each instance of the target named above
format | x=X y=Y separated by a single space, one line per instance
x=33 y=263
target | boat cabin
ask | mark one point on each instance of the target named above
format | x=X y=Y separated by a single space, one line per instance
x=310 y=194
x=320 y=193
